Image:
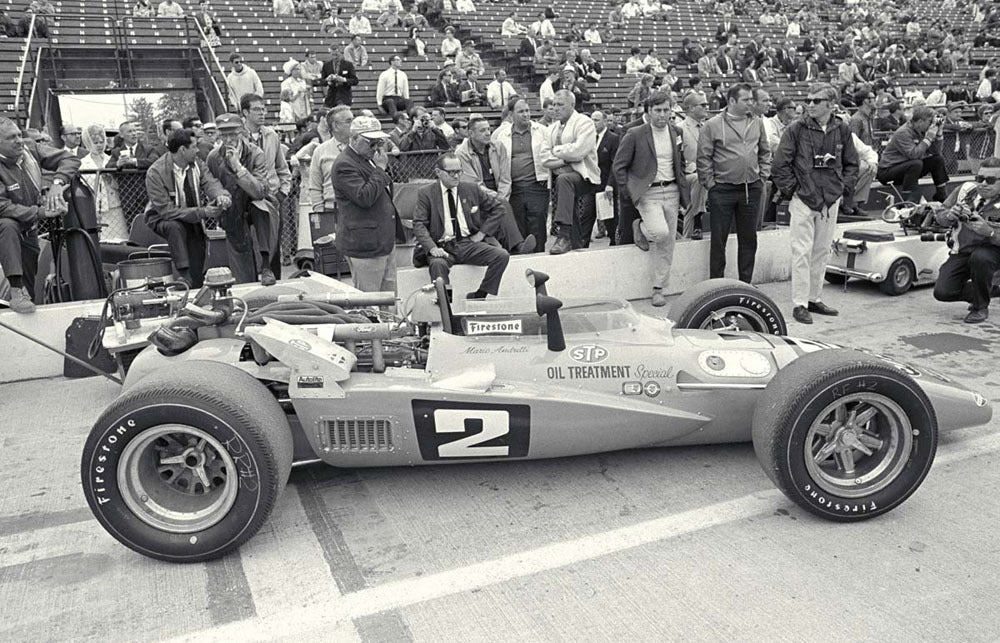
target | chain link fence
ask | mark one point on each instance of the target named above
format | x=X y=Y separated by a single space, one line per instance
x=962 y=150
x=120 y=198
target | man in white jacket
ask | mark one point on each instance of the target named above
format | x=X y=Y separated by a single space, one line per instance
x=573 y=139
x=242 y=80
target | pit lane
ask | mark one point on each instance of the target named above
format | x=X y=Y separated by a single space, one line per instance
x=658 y=544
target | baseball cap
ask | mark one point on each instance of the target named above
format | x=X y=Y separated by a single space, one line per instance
x=367 y=126
x=209 y=126
x=228 y=122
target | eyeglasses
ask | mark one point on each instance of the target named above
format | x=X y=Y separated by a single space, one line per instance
x=988 y=180
x=814 y=101
x=452 y=173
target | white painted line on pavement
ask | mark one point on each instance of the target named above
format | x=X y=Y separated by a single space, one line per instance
x=332 y=615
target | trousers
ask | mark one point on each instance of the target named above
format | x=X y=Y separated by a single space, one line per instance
x=699 y=200
x=659 y=208
x=375 y=274
x=968 y=276
x=728 y=202
x=187 y=246
x=569 y=186
x=19 y=252
x=474 y=253
x=907 y=175
x=530 y=204
x=811 y=235
x=248 y=234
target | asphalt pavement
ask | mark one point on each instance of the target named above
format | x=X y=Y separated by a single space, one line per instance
x=688 y=544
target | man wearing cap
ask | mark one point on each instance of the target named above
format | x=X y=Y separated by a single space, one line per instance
x=468 y=59
x=72 y=136
x=339 y=75
x=573 y=140
x=816 y=166
x=695 y=114
x=393 y=91
x=650 y=171
x=454 y=223
x=175 y=183
x=574 y=85
x=242 y=80
x=240 y=167
x=279 y=177
x=366 y=216
x=208 y=140
x=33 y=177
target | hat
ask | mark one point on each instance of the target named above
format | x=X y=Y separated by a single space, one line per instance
x=449 y=30
x=290 y=66
x=469 y=42
x=209 y=126
x=228 y=122
x=367 y=126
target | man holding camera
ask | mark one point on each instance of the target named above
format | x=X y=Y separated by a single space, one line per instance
x=175 y=183
x=26 y=195
x=815 y=166
x=973 y=210
x=423 y=135
x=913 y=151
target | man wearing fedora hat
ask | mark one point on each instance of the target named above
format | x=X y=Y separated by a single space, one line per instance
x=241 y=168
x=366 y=216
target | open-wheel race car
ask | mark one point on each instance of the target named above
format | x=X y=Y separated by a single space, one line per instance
x=895 y=258
x=188 y=462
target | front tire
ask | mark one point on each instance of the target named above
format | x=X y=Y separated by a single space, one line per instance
x=187 y=465
x=844 y=435
x=728 y=304
x=899 y=278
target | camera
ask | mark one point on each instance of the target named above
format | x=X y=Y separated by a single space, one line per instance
x=824 y=161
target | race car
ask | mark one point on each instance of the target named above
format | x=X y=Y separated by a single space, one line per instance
x=907 y=253
x=188 y=462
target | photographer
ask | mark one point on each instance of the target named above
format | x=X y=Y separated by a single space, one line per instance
x=26 y=195
x=815 y=165
x=914 y=151
x=175 y=183
x=424 y=135
x=973 y=210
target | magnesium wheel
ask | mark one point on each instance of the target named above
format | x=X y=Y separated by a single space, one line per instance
x=728 y=304
x=186 y=465
x=835 y=279
x=844 y=435
x=899 y=278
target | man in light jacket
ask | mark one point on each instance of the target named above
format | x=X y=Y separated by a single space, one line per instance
x=573 y=140
x=242 y=80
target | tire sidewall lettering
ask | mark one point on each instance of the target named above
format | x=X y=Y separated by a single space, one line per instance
x=768 y=314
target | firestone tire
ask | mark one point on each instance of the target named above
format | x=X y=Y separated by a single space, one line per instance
x=844 y=435
x=728 y=303
x=187 y=465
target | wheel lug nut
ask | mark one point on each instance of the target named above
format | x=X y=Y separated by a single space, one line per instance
x=144 y=498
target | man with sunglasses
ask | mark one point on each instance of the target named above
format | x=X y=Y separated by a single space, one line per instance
x=816 y=166
x=973 y=209
x=454 y=223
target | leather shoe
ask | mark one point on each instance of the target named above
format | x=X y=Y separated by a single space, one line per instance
x=561 y=246
x=820 y=308
x=640 y=239
x=659 y=299
x=802 y=315
x=977 y=315
x=696 y=234
x=601 y=231
x=527 y=246
x=476 y=294
x=267 y=277
x=20 y=301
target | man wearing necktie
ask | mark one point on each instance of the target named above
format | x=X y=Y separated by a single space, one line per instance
x=454 y=223
x=393 y=91
x=500 y=91
x=175 y=183
x=27 y=195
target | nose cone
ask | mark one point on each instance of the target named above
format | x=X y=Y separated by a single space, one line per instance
x=957 y=408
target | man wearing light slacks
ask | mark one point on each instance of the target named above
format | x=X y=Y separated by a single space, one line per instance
x=649 y=168
x=815 y=165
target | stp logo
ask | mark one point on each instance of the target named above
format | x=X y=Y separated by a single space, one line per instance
x=588 y=353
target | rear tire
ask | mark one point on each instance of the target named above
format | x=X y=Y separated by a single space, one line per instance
x=844 y=435
x=720 y=304
x=899 y=278
x=187 y=465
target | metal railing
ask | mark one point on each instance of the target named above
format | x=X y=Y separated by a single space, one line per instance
x=24 y=65
x=206 y=42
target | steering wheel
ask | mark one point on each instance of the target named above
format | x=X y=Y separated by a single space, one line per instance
x=896 y=212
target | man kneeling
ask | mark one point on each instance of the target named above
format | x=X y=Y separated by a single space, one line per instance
x=175 y=183
x=454 y=223
x=967 y=275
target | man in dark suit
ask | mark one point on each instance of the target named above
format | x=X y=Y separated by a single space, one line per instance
x=131 y=153
x=808 y=71
x=528 y=47
x=366 y=216
x=339 y=76
x=607 y=147
x=726 y=27
x=726 y=63
x=649 y=170
x=454 y=223
x=445 y=90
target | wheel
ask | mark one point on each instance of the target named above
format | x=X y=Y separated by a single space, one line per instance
x=186 y=465
x=846 y=436
x=728 y=304
x=835 y=279
x=899 y=278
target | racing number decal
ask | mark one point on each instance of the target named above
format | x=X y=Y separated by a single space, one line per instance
x=466 y=430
